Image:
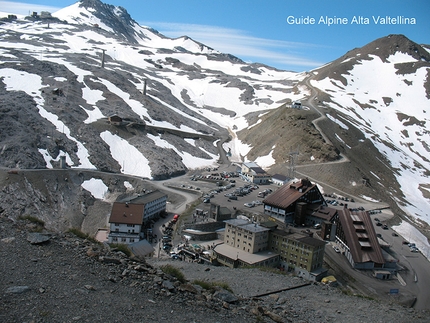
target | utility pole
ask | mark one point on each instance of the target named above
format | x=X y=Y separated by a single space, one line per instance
x=103 y=58
x=144 y=86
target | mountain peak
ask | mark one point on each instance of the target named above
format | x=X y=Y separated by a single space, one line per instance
x=115 y=19
x=383 y=48
x=394 y=43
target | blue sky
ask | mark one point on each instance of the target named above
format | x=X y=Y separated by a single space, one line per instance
x=271 y=32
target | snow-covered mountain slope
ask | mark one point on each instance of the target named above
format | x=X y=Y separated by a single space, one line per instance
x=57 y=93
x=383 y=89
x=192 y=90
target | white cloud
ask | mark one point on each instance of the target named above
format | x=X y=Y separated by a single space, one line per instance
x=237 y=42
x=22 y=8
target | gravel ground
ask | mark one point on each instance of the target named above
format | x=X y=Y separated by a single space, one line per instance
x=70 y=279
x=312 y=303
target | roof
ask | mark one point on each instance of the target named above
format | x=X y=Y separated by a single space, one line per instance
x=280 y=177
x=251 y=164
x=254 y=227
x=323 y=212
x=126 y=213
x=246 y=225
x=141 y=248
x=146 y=198
x=289 y=193
x=312 y=241
x=249 y=258
x=255 y=168
x=360 y=236
x=300 y=237
x=236 y=222
x=223 y=210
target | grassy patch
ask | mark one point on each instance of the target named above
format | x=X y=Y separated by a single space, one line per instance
x=173 y=271
x=32 y=219
x=350 y=293
x=121 y=247
x=266 y=269
x=211 y=286
x=82 y=235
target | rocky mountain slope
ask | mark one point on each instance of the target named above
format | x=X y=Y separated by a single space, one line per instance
x=193 y=94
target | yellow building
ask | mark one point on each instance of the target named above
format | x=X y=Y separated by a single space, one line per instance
x=299 y=252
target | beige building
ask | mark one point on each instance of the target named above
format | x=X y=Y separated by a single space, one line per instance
x=246 y=236
x=245 y=244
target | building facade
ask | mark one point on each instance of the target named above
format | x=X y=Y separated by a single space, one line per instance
x=290 y=202
x=300 y=253
x=154 y=204
x=126 y=223
x=356 y=235
x=246 y=236
x=245 y=244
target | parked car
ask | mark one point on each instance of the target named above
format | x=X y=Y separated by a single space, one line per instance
x=385 y=227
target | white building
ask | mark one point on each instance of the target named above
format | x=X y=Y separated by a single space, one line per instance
x=126 y=223
x=129 y=218
x=254 y=173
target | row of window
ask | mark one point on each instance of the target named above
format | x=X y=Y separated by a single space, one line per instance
x=115 y=239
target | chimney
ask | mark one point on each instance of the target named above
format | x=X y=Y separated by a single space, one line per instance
x=126 y=204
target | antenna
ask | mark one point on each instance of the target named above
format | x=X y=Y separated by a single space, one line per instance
x=292 y=162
